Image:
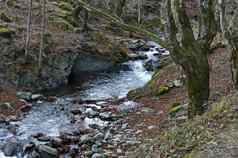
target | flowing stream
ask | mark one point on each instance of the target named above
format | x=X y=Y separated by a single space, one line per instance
x=52 y=118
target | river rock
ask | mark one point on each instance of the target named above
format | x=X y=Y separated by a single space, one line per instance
x=138 y=45
x=87 y=139
x=11 y=147
x=137 y=56
x=36 y=97
x=105 y=116
x=97 y=155
x=152 y=65
x=99 y=136
x=25 y=106
x=96 y=149
x=24 y=95
x=47 y=151
x=33 y=154
x=56 y=142
x=86 y=65
x=91 y=113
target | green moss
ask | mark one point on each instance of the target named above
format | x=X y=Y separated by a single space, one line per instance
x=5 y=32
x=162 y=90
x=4 y=17
x=136 y=94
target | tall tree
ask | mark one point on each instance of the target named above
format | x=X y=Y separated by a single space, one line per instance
x=189 y=47
x=229 y=24
x=28 y=32
x=43 y=27
x=139 y=7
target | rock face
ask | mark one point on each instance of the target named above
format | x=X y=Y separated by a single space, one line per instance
x=88 y=64
x=56 y=68
x=15 y=71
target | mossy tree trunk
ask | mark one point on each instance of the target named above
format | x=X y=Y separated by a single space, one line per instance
x=198 y=85
x=191 y=52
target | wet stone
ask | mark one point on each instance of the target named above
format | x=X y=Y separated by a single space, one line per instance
x=47 y=151
x=97 y=155
x=99 y=136
x=56 y=142
x=96 y=149
x=87 y=139
x=11 y=147
x=91 y=113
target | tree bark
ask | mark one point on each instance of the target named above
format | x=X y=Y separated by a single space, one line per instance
x=43 y=27
x=197 y=72
x=28 y=34
x=139 y=6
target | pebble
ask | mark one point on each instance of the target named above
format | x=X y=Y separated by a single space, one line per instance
x=97 y=155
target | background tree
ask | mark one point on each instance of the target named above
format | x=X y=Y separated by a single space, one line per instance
x=43 y=27
x=28 y=32
x=139 y=7
x=228 y=23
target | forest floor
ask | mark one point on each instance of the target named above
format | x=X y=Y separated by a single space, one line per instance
x=164 y=135
x=161 y=133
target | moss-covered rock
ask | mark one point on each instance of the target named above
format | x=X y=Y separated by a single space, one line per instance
x=162 y=90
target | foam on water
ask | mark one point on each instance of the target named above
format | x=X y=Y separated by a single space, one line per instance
x=117 y=85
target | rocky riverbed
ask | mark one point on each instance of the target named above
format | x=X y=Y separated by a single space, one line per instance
x=87 y=123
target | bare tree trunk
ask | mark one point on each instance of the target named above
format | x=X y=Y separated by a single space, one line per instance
x=229 y=24
x=139 y=6
x=85 y=21
x=43 y=27
x=28 y=32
